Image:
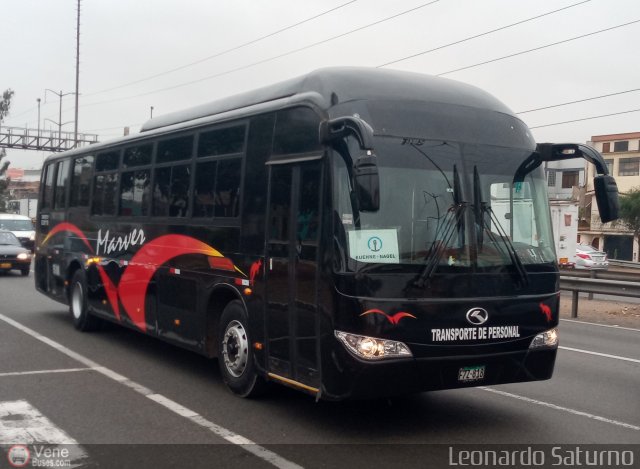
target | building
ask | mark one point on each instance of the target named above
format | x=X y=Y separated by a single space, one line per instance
x=622 y=155
x=565 y=183
x=563 y=177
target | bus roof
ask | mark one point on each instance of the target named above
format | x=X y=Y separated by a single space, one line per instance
x=342 y=84
x=324 y=88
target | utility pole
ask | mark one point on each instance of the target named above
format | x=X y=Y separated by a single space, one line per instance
x=77 y=93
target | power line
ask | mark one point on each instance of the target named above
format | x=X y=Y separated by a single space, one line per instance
x=219 y=54
x=585 y=119
x=579 y=101
x=244 y=67
x=539 y=48
x=481 y=34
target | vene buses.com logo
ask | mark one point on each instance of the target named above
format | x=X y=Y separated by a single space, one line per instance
x=477 y=316
x=18 y=456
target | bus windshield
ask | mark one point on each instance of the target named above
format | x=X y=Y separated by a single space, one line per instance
x=447 y=205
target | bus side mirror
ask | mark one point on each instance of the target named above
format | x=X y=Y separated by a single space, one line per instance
x=367 y=183
x=366 y=180
x=341 y=127
x=605 y=185
x=606 y=191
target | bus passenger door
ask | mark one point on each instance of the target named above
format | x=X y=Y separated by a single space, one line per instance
x=292 y=272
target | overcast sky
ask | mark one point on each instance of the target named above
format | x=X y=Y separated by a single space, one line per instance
x=125 y=42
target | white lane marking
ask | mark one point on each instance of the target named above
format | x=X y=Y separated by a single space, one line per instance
x=561 y=408
x=612 y=326
x=172 y=405
x=40 y=372
x=23 y=424
x=222 y=432
x=216 y=429
x=617 y=357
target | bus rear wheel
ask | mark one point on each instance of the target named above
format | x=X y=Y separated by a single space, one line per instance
x=235 y=355
x=78 y=307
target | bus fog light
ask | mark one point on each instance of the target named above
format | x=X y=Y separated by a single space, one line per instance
x=546 y=339
x=371 y=348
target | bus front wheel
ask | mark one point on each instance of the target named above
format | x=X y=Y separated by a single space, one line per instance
x=235 y=355
x=78 y=307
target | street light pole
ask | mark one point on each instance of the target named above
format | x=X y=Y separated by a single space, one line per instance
x=38 y=139
x=60 y=95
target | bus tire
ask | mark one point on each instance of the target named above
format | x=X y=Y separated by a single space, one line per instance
x=235 y=355
x=78 y=307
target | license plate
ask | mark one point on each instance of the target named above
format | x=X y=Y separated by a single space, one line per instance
x=5 y=265
x=471 y=373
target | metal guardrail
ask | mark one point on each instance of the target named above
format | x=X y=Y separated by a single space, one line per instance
x=627 y=264
x=595 y=285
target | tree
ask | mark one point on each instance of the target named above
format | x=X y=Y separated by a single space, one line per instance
x=630 y=210
x=5 y=105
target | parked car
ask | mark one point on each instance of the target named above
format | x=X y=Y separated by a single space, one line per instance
x=13 y=255
x=21 y=226
x=588 y=257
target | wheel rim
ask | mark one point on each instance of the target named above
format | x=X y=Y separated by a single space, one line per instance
x=77 y=299
x=235 y=349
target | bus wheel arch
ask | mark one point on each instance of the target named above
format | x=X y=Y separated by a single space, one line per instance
x=219 y=298
x=74 y=266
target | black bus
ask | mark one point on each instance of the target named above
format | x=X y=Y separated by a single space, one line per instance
x=350 y=233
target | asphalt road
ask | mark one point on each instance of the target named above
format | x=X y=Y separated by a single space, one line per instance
x=131 y=401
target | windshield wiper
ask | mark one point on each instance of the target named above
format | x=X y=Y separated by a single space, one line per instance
x=511 y=250
x=452 y=222
x=448 y=227
x=480 y=208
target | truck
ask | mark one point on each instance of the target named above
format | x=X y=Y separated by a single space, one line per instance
x=27 y=207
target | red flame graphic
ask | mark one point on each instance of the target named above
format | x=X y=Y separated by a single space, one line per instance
x=132 y=288
x=394 y=319
x=135 y=279
x=546 y=311
x=255 y=269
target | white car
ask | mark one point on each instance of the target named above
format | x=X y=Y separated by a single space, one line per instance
x=21 y=226
x=588 y=257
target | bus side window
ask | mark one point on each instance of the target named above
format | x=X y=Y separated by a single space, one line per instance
x=105 y=186
x=296 y=131
x=175 y=149
x=171 y=191
x=81 y=181
x=205 y=187
x=61 y=184
x=217 y=191
x=227 y=193
x=105 y=195
x=134 y=193
x=47 y=193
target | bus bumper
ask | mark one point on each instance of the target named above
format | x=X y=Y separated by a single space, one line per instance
x=355 y=378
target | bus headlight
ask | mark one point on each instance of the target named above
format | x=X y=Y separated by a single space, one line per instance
x=371 y=348
x=546 y=339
